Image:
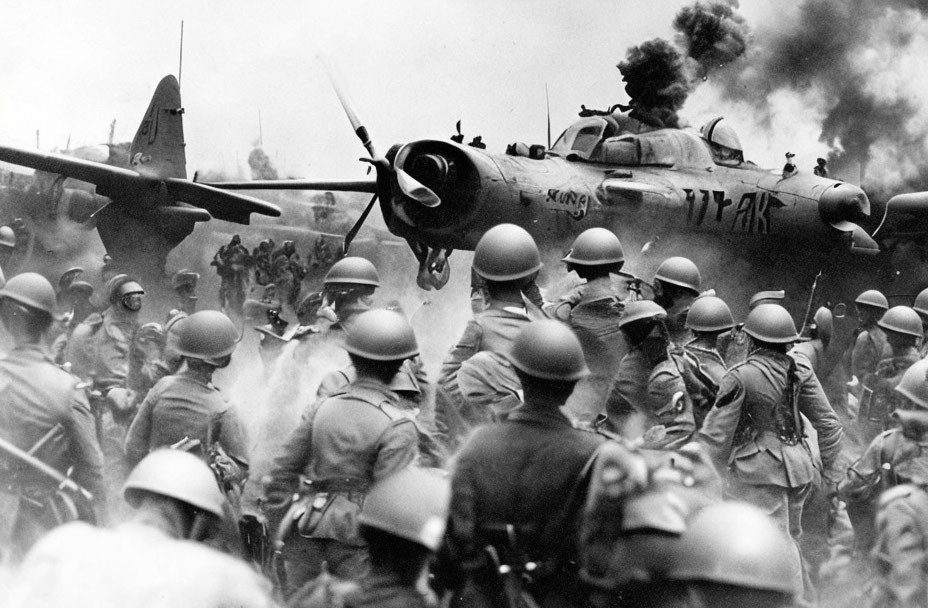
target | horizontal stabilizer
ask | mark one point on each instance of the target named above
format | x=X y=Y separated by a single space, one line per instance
x=186 y=212
x=220 y=204
x=363 y=185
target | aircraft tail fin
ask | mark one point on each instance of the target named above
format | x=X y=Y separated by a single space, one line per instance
x=158 y=147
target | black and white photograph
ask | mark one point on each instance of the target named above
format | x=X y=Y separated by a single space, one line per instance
x=474 y=304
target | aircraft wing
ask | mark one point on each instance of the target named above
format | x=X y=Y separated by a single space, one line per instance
x=361 y=185
x=105 y=177
x=220 y=204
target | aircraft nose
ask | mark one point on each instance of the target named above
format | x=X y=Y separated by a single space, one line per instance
x=843 y=202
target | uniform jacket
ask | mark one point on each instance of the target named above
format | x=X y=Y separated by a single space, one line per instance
x=899 y=555
x=676 y=321
x=525 y=471
x=36 y=395
x=869 y=348
x=180 y=406
x=99 y=347
x=741 y=431
x=630 y=388
x=356 y=434
x=908 y=460
x=675 y=415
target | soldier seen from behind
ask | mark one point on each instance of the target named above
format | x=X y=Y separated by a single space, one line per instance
x=45 y=412
x=184 y=284
x=158 y=558
x=921 y=307
x=755 y=431
x=518 y=487
x=232 y=262
x=342 y=445
x=708 y=319
x=507 y=259
x=593 y=310
x=869 y=346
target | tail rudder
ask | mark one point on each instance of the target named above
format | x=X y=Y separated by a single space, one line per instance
x=158 y=147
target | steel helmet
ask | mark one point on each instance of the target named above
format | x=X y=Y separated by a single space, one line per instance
x=120 y=286
x=639 y=310
x=32 y=290
x=184 y=278
x=824 y=325
x=7 y=236
x=921 y=302
x=549 y=350
x=734 y=543
x=914 y=384
x=129 y=288
x=354 y=270
x=594 y=247
x=381 y=335
x=679 y=271
x=902 y=320
x=761 y=296
x=874 y=298
x=175 y=474
x=208 y=335
x=506 y=252
x=82 y=288
x=411 y=504
x=771 y=323
x=69 y=276
x=721 y=134
x=709 y=313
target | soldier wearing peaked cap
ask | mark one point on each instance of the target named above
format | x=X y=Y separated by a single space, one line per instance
x=518 y=486
x=355 y=437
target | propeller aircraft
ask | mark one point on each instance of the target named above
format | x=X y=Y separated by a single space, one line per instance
x=663 y=191
x=147 y=206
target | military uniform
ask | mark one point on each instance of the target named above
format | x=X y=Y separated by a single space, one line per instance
x=527 y=471
x=899 y=556
x=350 y=440
x=37 y=397
x=629 y=392
x=708 y=370
x=494 y=330
x=593 y=310
x=181 y=406
x=907 y=461
x=669 y=404
x=877 y=398
x=870 y=347
x=755 y=432
x=99 y=347
x=676 y=321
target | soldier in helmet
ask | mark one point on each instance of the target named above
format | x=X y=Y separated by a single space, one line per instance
x=899 y=558
x=348 y=289
x=921 y=307
x=44 y=412
x=507 y=258
x=186 y=405
x=895 y=456
x=902 y=329
x=755 y=431
x=870 y=346
x=403 y=522
x=232 y=262
x=593 y=310
x=735 y=345
x=676 y=287
x=819 y=335
x=518 y=486
x=723 y=142
x=708 y=319
x=347 y=442
x=184 y=283
x=7 y=245
x=261 y=256
x=159 y=558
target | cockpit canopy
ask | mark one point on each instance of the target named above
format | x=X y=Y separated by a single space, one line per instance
x=600 y=139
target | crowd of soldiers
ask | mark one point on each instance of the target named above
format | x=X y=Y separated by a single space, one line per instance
x=266 y=265
x=628 y=443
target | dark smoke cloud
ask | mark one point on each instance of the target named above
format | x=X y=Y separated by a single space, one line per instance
x=843 y=59
x=261 y=166
x=656 y=82
x=659 y=76
x=712 y=35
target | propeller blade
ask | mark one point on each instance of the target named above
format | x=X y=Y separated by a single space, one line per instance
x=357 y=225
x=416 y=191
x=359 y=129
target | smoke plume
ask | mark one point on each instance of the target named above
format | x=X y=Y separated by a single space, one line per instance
x=261 y=166
x=857 y=64
x=659 y=76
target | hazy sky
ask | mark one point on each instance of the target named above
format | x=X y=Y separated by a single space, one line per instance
x=412 y=68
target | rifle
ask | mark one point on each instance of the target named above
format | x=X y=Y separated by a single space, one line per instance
x=513 y=578
x=64 y=482
x=807 y=319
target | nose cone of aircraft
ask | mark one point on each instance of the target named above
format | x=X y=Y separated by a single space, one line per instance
x=843 y=202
